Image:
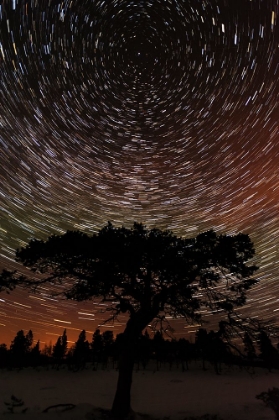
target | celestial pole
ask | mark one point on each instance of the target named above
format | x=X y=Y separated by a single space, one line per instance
x=163 y=112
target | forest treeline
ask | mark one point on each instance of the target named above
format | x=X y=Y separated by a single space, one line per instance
x=103 y=351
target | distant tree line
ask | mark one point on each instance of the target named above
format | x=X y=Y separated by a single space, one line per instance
x=209 y=348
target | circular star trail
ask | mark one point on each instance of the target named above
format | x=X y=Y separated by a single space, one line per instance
x=163 y=112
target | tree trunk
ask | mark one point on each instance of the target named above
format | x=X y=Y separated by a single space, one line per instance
x=121 y=407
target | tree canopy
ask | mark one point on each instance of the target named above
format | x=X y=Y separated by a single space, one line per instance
x=153 y=270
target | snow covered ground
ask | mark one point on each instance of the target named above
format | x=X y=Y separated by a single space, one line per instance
x=160 y=394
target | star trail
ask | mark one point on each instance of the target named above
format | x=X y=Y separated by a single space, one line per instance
x=163 y=112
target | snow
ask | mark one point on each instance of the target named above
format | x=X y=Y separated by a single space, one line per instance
x=164 y=393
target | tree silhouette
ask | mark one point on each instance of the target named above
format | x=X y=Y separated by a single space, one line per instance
x=107 y=346
x=20 y=347
x=60 y=348
x=35 y=355
x=81 y=351
x=201 y=344
x=185 y=352
x=143 y=273
x=158 y=348
x=269 y=354
x=97 y=347
x=249 y=347
x=216 y=350
x=143 y=350
x=4 y=355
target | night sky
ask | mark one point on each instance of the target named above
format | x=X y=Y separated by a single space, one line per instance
x=163 y=112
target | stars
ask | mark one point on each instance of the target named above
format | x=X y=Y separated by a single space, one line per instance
x=160 y=112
